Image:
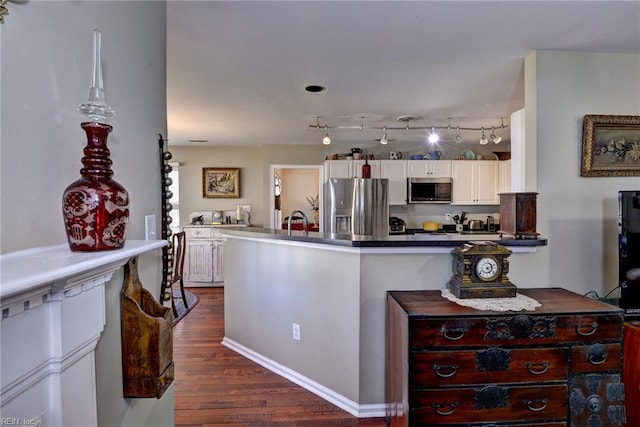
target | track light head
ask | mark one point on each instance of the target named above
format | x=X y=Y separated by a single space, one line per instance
x=327 y=139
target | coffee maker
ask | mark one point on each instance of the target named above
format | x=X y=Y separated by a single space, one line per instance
x=629 y=250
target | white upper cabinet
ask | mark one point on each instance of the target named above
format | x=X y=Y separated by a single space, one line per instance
x=338 y=169
x=349 y=168
x=504 y=176
x=396 y=172
x=375 y=168
x=429 y=168
x=475 y=182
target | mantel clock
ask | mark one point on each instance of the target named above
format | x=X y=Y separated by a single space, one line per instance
x=480 y=271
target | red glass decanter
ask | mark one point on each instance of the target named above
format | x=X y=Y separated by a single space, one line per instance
x=95 y=207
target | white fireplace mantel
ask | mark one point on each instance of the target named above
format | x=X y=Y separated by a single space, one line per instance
x=53 y=312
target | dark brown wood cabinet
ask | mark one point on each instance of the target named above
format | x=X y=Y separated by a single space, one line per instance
x=559 y=365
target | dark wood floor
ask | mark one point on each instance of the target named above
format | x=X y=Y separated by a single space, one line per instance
x=216 y=386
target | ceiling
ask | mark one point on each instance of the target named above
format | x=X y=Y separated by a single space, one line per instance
x=237 y=70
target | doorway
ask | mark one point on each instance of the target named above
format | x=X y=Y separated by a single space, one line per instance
x=293 y=187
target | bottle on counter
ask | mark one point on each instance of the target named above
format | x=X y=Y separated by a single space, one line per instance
x=366 y=168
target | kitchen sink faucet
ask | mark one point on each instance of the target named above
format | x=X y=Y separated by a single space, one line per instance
x=305 y=220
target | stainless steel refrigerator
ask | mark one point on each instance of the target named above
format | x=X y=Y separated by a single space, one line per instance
x=357 y=206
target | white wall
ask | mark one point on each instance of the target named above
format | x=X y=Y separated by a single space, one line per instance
x=46 y=63
x=578 y=214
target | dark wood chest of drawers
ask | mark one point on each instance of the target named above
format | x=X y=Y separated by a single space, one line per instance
x=559 y=365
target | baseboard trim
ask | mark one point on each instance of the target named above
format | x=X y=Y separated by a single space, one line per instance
x=355 y=409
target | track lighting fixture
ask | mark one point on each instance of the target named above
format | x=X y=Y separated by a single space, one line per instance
x=384 y=139
x=327 y=139
x=483 y=138
x=432 y=138
x=493 y=138
x=458 y=136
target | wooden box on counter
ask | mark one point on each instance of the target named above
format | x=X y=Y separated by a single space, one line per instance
x=518 y=212
x=559 y=365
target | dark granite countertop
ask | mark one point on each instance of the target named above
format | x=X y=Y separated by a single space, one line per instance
x=397 y=241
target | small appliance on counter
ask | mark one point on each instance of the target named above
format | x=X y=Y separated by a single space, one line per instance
x=397 y=225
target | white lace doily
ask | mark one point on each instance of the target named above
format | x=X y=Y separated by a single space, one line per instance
x=518 y=303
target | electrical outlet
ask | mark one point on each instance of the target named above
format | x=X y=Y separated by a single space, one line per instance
x=447 y=216
x=296 y=332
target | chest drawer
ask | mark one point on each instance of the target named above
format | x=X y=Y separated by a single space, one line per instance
x=490 y=365
x=596 y=357
x=488 y=404
x=521 y=329
x=199 y=233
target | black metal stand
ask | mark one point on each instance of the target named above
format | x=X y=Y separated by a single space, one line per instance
x=165 y=182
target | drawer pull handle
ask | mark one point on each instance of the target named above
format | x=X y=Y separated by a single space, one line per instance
x=597 y=359
x=449 y=408
x=538 y=368
x=445 y=371
x=587 y=330
x=456 y=333
x=537 y=405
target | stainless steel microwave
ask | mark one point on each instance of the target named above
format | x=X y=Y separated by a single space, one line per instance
x=429 y=190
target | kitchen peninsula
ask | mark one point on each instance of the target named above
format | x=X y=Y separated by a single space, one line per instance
x=333 y=288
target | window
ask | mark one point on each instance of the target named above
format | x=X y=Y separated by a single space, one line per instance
x=174 y=175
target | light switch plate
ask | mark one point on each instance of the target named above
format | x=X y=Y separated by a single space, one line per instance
x=150 y=227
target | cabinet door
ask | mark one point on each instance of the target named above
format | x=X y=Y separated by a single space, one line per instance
x=504 y=176
x=338 y=169
x=440 y=168
x=198 y=263
x=357 y=168
x=396 y=172
x=218 y=261
x=418 y=168
x=463 y=185
x=486 y=182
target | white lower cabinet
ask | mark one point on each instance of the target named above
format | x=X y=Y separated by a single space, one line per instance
x=204 y=258
x=475 y=182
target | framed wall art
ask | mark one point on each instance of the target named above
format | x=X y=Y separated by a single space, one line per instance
x=220 y=182
x=610 y=145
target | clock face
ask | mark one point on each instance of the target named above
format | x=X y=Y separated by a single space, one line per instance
x=487 y=268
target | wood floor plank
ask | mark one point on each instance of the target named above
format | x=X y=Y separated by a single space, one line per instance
x=214 y=386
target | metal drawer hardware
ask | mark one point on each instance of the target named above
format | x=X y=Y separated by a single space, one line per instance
x=493 y=359
x=536 y=405
x=533 y=367
x=445 y=371
x=491 y=397
x=452 y=407
x=586 y=330
x=597 y=354
x=457 y=333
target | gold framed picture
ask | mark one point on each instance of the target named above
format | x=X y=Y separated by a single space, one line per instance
x=610 y=145
x=221 y=182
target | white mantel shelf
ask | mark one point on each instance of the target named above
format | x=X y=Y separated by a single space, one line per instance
x=53 y=313
x=23 y=271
